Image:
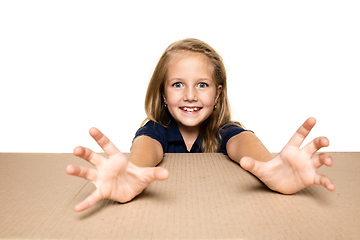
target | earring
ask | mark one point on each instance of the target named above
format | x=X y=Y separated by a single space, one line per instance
x=214 y=107
x=165 y=104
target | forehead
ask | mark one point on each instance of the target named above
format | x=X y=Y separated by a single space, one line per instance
x=189 y=59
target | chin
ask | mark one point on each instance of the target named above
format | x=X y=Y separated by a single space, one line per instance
x=190 y=124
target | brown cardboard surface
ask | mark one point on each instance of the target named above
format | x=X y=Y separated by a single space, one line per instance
x=206 y=197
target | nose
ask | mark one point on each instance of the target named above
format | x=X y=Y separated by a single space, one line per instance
x=190 y=94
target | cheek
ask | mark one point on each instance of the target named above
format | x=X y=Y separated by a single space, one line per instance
x=208 y=100
x=172 y=97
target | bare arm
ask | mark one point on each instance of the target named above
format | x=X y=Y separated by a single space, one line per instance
x=146 y=152
x=247 y=144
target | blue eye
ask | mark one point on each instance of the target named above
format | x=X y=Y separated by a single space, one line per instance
x=202 y=85
x=177 y=85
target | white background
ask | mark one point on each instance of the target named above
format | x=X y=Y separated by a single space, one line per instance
x=66 y=66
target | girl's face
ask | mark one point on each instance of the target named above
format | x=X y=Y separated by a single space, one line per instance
x=190 y=92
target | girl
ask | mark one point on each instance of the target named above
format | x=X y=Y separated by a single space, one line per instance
x=188 y=111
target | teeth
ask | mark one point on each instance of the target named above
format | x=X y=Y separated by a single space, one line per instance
x=190 y=109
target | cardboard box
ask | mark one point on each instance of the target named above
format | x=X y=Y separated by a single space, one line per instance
x=206 y=197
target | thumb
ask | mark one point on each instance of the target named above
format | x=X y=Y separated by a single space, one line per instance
x=156 y=173
x=89 y=201
x=161 y=173
x=251 y=165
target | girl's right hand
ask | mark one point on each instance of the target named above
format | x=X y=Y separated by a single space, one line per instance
x=115 y=177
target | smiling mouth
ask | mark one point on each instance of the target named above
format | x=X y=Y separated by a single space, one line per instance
x=191 y=109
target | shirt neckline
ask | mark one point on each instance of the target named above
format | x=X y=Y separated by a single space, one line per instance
x=174 y=135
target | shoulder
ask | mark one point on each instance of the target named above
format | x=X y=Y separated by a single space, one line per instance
x=229 y=130
x=151 y=129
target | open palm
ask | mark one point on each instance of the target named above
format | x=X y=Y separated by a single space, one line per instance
x=114 y=177
x=293 y=168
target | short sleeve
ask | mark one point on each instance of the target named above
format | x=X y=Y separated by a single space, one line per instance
x=227 y=132
x=154 y=130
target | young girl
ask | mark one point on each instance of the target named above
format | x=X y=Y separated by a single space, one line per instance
x=188 y=111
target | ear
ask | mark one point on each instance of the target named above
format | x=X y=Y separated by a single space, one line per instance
x=218 y=92
x=165 y=102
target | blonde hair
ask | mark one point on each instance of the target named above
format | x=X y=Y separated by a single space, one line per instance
x=154 y=102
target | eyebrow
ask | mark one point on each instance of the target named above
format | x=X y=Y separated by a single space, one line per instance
x=174 y=79
x=206 y=79
x=181 y=79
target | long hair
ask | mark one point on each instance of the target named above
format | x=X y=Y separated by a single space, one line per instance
x=154 y=102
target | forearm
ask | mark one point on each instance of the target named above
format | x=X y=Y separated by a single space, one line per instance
x=247 y=144
x=146 y=152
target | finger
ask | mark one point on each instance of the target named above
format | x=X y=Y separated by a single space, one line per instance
x=322 y=159
x=298 y=138
x=83 y=172
x=324 y=181
x=88 y=155
x=88 y=202
x=252 y=166
x=312 y=147
x=109 y=148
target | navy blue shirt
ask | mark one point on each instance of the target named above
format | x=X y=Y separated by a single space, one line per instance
x=172 y=141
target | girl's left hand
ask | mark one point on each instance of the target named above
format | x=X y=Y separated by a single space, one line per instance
x=294 y=169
